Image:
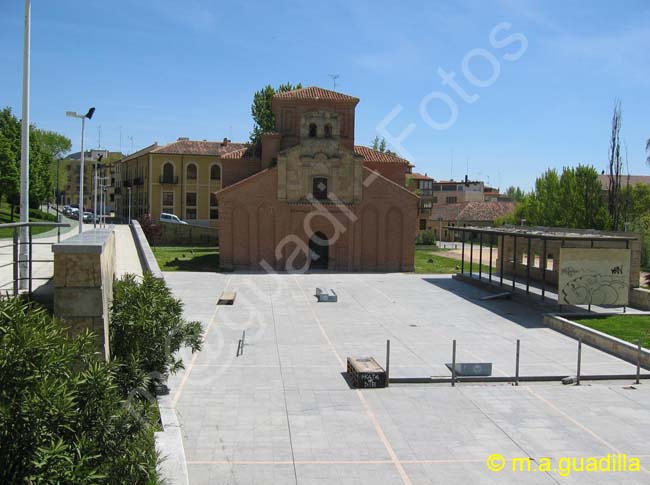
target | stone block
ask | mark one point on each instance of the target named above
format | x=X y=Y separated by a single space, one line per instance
x=78 y=302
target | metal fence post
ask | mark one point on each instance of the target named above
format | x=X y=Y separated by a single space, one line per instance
x=387 y=362
x=517 y=366
x=16 y=263
x=638 y=361
x=453 y=364
x=30 y=260
x=579 y=359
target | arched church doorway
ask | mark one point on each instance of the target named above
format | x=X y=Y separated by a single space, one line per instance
x=318 y=251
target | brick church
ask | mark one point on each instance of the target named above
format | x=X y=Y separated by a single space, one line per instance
x=318 y=201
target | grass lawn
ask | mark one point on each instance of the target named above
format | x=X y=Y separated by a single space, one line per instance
x=35 y=216
x=186 y=258
x=630 y=328
x=430 y=261
x=202 y=258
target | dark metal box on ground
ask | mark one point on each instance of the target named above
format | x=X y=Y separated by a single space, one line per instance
x=366 y=373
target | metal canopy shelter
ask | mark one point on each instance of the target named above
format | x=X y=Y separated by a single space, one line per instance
x=527 y=234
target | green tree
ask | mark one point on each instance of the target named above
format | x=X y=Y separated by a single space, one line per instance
x=639 y=200
x=515 y=193
x=379 y=144
x=571 y=200
x=263 y=117
x=147 y=329
x=9 y=155
x=614 y=204
x=62 y=416
x=54 y=144
x=44 y=148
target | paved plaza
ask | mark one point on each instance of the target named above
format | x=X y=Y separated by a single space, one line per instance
x=284 y=413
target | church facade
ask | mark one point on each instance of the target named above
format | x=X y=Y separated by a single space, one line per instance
x=318 y=201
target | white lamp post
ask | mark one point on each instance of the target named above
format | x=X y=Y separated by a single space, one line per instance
x=89 y=115
x=24 y=153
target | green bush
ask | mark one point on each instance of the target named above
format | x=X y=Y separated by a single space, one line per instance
x=425 y=238
x=147 y=329
x=62 y=416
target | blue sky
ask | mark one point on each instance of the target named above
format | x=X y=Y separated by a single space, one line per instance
x=160 y=69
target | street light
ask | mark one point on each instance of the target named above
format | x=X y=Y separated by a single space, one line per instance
x=89 y=115
x=129 y=189
x=99 y=159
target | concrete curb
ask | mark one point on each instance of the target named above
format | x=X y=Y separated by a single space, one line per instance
x=169 y=441
x=169 y=444
x=147 y=259
x=612 y=345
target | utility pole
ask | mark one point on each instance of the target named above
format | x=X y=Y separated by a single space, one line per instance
x=24 y=153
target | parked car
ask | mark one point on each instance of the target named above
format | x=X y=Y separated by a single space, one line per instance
x=174 y=219
x=89 y=217
x=66 y=210
x=74 y=213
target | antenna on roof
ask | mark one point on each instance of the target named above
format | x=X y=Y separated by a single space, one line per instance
x=334 y=78
x=451 y=171
x=99 y=136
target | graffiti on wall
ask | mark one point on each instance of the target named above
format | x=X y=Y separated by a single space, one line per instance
x=594 y=276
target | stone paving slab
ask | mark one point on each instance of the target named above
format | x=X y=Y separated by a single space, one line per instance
x=284 y=413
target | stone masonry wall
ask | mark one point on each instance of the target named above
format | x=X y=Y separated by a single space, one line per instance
x=83 y=284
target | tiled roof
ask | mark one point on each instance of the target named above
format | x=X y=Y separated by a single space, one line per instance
x=417 y=176
x=471 y=211
x=192 y=147
x=634 y=180
x=245 y=153
x=314 y=92
x=371 y=155
x=141 y=152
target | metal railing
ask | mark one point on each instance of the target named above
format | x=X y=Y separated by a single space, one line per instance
x=170 y=180
x=16 y=244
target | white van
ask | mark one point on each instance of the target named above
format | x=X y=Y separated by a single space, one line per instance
x=164 y=217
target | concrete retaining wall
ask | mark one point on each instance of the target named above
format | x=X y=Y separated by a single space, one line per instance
x=84 y=266
x=640 y=298
x=147 y=258
x=187 y=234
x=169 y=441
x=600 y=340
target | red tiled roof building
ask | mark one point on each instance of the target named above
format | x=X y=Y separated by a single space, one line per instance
x=318 y=201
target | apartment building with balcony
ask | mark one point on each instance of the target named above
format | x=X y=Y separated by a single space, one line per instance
x=180 y=178
x=103 y=160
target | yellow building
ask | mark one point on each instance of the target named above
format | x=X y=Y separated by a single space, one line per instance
x=180 y=178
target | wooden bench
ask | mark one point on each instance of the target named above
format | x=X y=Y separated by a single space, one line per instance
x=366 y=373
